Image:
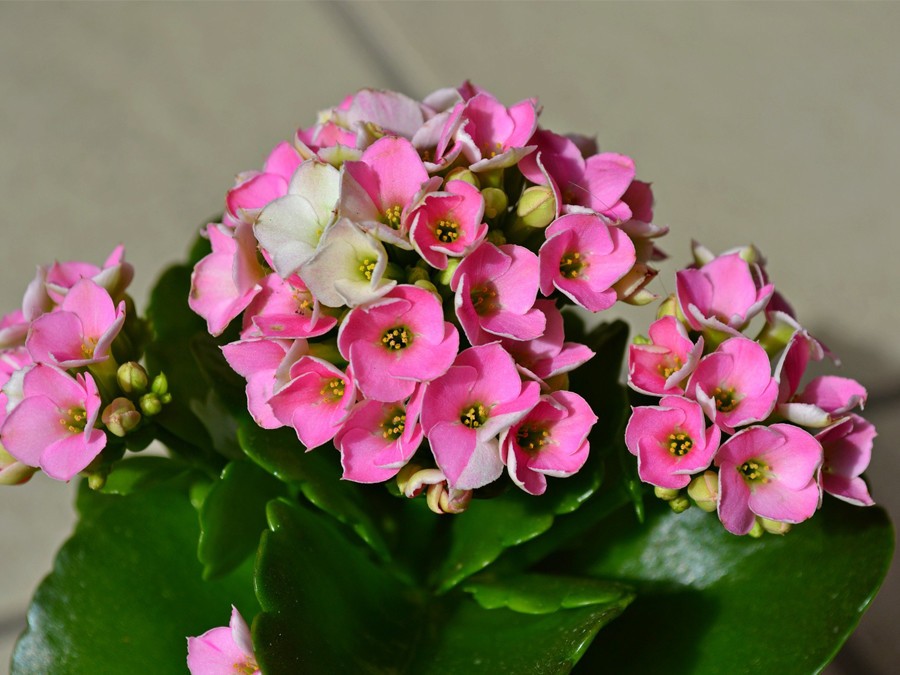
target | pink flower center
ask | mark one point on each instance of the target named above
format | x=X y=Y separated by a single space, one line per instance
x=88 y=347
x=754 y=471
x=447 y=231
x=489 y=151
x=391 y=217
x=680 y=443
x=397 y=338
x=393 y=425
x=668 y=367
x=571 y=265
x=484 y=299
x=474 y=416
x=532 y=438
x=726 y=401
x=74 y=420
x=304 y=302
x=332 y=391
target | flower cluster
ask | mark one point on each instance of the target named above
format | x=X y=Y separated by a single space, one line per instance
x=399 y=269
x=63 y=390
x=735 y=403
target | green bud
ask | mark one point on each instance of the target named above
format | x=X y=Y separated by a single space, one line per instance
x=120 y=417
x=427 y=285
x=447 y=274
x=757 y=531
x=704 y=490
x=666 y=494
x=680 y=504
x=97 y=479
x=495 y=202
x=150 y=404
x=132 y=378
x=536 y=207
x=669 y=307
x=774 y=526
x=160 y=384
x=641 y=340
x=416 y=274
x=491 y=178
x=496 y=237
x=463 y=174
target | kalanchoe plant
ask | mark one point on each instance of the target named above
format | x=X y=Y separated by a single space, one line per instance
x=395 y=445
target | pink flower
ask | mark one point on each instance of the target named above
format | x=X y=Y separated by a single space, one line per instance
x=114 y=276
x=723 y=295
x=316 y=400
x=225 y=281
x=495 y=292
x=771 y=472
x=255 y=189
x=551 y=440
x=285 y=308
x=448 y=223
x=464 y=410
x=583 y=257
x=81 y=332
x=11 y=361
x=223 y=651
x=734 y=384
x=13 y=329
x=661 y=367
x=671 y=441
x=848 y=449
x=397 y=341
x=390 y=112
x=378 y=439
x=53 y=426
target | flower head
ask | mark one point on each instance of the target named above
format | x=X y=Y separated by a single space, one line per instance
x=227 y=650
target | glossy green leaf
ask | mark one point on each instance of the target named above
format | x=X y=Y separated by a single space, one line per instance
x=711 y=602
x=140 y=473
x=126 y=590
x=545 y=593
x=318 y=474
x=233 y=516
x=328 y=607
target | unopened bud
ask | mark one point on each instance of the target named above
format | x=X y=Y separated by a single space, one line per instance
x=704 y=490
x=12 y=471
x=495 y=202
x=413 y=479
x=120 y=417
x=447 y=274
x=775 y=526
x=160 y=384
x=757 y=530
x=669 y=307
x=150 y=404
x=666 y=494
x=132 y=378
x=641 y=340
x=417 y=273
x=444 y=499
x=463 y=174
x=631 y=288
x=427 y=285
x=537 y=206
x=680 y=504
x=496 y=237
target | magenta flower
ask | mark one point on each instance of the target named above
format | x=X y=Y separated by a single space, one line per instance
x=448 y=223
x=226 y=650
x=495 y=292
x=315 y=401
x=734 y=384
x=53 y=426
x=225 y=281
x=81 y=332
x=551 y=440
x=378 y=439
x=771 y=472
x=722 y=295
x=583 y=257
x=464 y=411
x=848 y=450
x=396 y=342
x=285 y=308
x=661 y=367
x=671 y=441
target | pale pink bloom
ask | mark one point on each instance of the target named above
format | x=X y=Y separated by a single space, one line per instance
x=227 y=650
x=254 y=189
x=290 y=227
x=13 y=329
x=722 y=295
x=285 y=308
x=378 y=439
x=598 y=183
x=663 y=366
x=547 y=355
x=327 y=141
x=315 y=401
x=491 y=136
x=81 y=332
x=115 y=275
x=53 y=426
x=448 y=223
x=551 y=440
x=397 y=341
x=671 y=441
x=771 y=472
x=265 y=364
x=464 y=411
x=378 y=191
x=496 y=288
x=734 y=384
x=226 y=280
x=582 y=258
x=848 y=450
x=391 y=113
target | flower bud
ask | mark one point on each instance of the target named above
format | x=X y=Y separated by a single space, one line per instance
x=417 y=273
x=444 y=499
x=427 y=285
x=150 y=404
x=132 y=378
x=495 y=202
x=669 y=307
x=496 y=237
x=631 y=288
x=775 y=526
x=536 y=207
x=447 y=274
x=704 y=490
x=757 y=531
x=463 y=174
x=680 y=504
x=12 y=471
x=160 y=384
x=413 y=479
x=120 y=417
x=666 y=494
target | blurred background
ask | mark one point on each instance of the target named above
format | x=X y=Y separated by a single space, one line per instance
x=772 y=124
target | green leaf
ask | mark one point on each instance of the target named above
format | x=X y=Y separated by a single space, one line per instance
x=126 y=590
x=328 y=607
x=545 y=593
x=233 y=516
x=711 y=602
x=318 y=474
